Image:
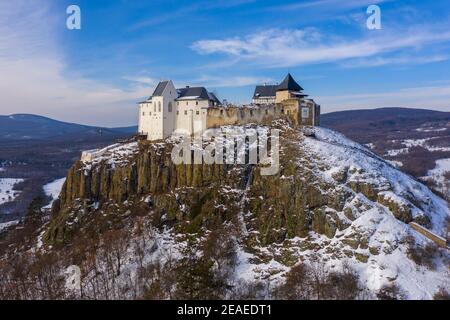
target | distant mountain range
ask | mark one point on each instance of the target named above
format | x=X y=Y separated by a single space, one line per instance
x=357 y=123
x=34 y=127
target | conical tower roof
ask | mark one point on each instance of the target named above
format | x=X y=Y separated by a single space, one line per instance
x=289 y=84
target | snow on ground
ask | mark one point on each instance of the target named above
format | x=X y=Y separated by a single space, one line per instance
x=339 y=152
x=370 y=145
x=416 y=142
x=5 y=225
x=395 y=163
x=114 y=154
x=53 y=189
x=438 y=175
x=430 y=129
x=410 y=143
x=396 y=152
x=384 y=232
x=7 y=194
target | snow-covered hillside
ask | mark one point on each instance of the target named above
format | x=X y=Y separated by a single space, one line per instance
x=384 y=232
x=52 y=190
x=334 y=204
x=7 y=194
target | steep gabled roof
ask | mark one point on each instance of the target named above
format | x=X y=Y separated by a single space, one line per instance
x=198 y=93
x=213 y=97
x=265 y=91
x=160 y=88
x=289 y=84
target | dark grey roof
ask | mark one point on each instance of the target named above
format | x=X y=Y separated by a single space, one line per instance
x=213 y=97
x=265 y=91
x=289 y=84
x=198 y=93
x=160 y=88
x=271 y=90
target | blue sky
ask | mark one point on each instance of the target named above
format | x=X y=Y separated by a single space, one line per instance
x=96 y=75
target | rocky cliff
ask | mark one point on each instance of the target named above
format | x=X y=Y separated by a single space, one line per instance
x=332 y=200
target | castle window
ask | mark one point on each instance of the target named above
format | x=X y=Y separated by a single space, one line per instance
x=267 y=111
x=154 y=107
x=287 y=111
x=143 y=113
x=305 y=113
x=159 y=106
x=221 y=112
x=251 y=113
x=178 y=103
x=178 y=112
x=196 y=103
x=197 y=113
x=185 y=112
x=170 y=106
x=187 y=103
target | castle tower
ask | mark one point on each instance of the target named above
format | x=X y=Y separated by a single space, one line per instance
x=157 y=115
x=288 y=89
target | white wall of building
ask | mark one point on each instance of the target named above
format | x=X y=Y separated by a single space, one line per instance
x=191 y=115
x=157 y=116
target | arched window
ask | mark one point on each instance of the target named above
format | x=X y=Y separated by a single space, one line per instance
x=159 y=106
x=154 y=107
x=170 y=106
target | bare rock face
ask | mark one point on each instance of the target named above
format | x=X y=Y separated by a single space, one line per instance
x=400 y=210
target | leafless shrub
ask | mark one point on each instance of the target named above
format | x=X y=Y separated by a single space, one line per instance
x=298 y=284
x=390 y=292
x=442 y=294
x=245 y=290
x=422 y=256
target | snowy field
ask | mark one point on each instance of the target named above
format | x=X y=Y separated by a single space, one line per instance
x=53 y=189
x=410 y=143
x=5 y=225
x=437 y=174
x=7 y=194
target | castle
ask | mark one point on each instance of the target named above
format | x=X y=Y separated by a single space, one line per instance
x=192 y=110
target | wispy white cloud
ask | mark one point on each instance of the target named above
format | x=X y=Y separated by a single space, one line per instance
x=327 y=4
x=293 y=47
x=35 y=79
x=232 y=81
x=144 y=80
x=187 y=10
x=426 y=97
x=400 y=60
